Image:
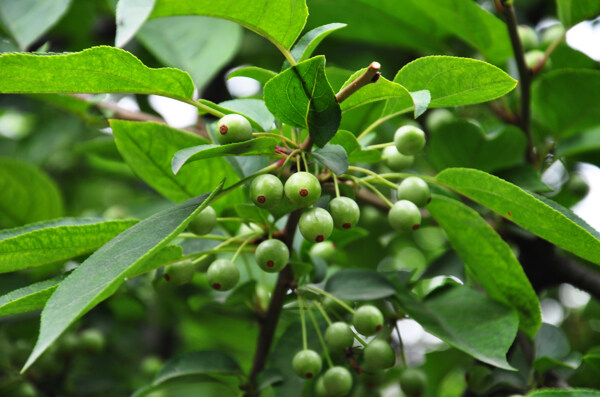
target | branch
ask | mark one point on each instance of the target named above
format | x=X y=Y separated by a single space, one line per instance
x=371 y=75
x=525 y=74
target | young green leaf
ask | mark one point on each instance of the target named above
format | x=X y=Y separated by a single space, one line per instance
x=279 y=21
x=309 y=42
x=454 y=81
x=94 y=70
x=571 y=12
x=263 y=146
x=27 y=194
x=467 y=329
x=149 y=148
x=130 y=16
x=252 y=213
x=259 y=74
x=302 y=97
x=355 y=284
x=381 y=90
x=537 y=214
x=333 y=157
x=565 y=101
x=27 y=20
x=421 y=99
x=356 y=154
x=100 y=275
x=54 y=241
x=489 y=259
x=32 y=297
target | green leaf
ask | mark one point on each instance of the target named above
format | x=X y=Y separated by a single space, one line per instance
x=32 y=297
x=94 y=70
x=198 y=363
x=27 y=194
x=302 y=97
x=489 y=260
x=252 y=213
x=253 y=109
x=149 y=147
x=454 y=81
x=381 y=90
x=535 y=213
x=214 y=42
x=359 y=285
x=469 y=328
x=571 y=12
x=54 y=241
x=101 y=274
x=170 y=253
x=130 y=16
x=309 y=42
x=552 y=350
x=565 y=101
x=28 y=20
x=564 y=393
x=254 y=147
x=356 y=154
x=259 y=74
x=462 y=143
x=584 y=142
x=333 y=157
x=421 y=99
x=279 y=21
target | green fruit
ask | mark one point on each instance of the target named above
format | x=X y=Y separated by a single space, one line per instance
x=550 y=35
x=413 y=382
x=325 y=250
x=380 y=355
x=578 y=185
x=438 y=118
x=367 y=320
x=302 y=189
x=151 y=365
x=404 y=216
x=180 y=273
x=320 y=390
x=272 y=255
x=528 y=37
x=266 y=191
x=92 y=340
x=396 y=160
x=534 y=57
x=337 y=381
x=307 y=364
x=344 y=211
x=204 y=222
x=315 y=224
x=414 y=189
x=339 y=337
x=233 y=128
x=222 y=275
x=409 y=140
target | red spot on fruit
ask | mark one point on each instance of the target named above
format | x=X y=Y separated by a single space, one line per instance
x=378 y=327
x=309 y=375
x=270 y=263
x=347 y=225
x=216 y=286
x=261 y=199
x=319 y=238
x=508 y=213
x=303 y=192
x=416 y=226
x=167 y=277
x=223 y=129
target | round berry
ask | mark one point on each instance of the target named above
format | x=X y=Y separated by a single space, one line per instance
x=204 y=221
x=233 y=128
x=550 y=35
x=266 y=191
x=222 y=275
x=437 y=118
x=396 y=160
x=534 y=57
x=339 y=337
x=409 y=140
x=179 y=273
x=302 y=189
x=528 y=37
x=404 y=216
x=380 y=355
x=367 y=320
x=416 y=190
x=92 y=340
x=344 y=211
x=307 y=364
x=272 y=255
x=315 y=224
x=337 y=381
x=320 y=390
x=413 y=382
x=325 y=250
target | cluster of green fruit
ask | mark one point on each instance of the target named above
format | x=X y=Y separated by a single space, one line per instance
x=535 y=46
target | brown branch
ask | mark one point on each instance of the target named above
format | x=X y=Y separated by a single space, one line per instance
x=371 y=75
x=525 y=76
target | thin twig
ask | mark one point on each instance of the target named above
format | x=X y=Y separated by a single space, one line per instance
x=371 y=75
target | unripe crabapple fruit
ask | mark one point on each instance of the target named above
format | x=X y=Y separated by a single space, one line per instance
x=404 y=216
x=204 y=221
x=302 y=189
x=338 y=337
x=222 y=275
x=337 y=381
x=344 y=211
x=315 y=224
x=367 y=320
x=379 y=354
x=307 y=364
x=266 y=191
x=409 y=140
x=413 y=382
x=272 y=255
x=396 y=160
x=233 y=128
x=414 y=189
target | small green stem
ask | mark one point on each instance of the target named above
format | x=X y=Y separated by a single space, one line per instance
x=304 y=161
x=224 y=243
x=321 y=340
x=333 y=298
x=400 y=175
x=205 y=108
x=303 y=322
x=335 y=184
x=382 y=120
x=283 y=138
x=380 y=146
x=373 y=189
x=288 y=158
x=231 y=219
x=323 y=313
x=240 y=248
x=374 y=175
